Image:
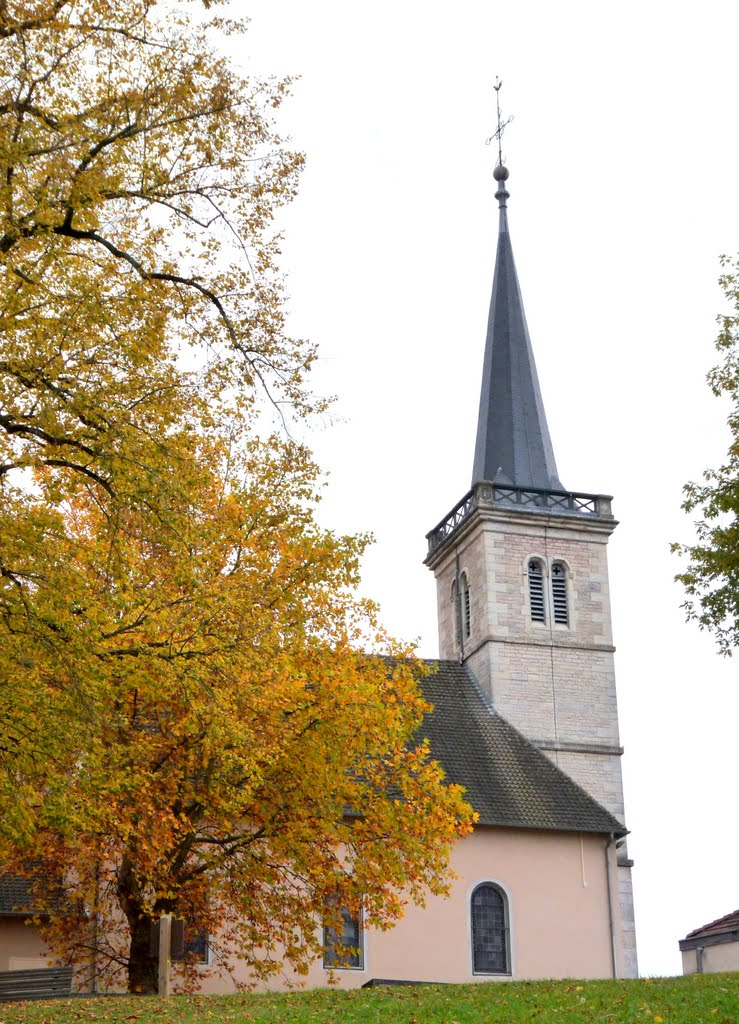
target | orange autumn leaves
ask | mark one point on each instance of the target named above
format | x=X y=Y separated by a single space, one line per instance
x=188 y=720
x=227 y=741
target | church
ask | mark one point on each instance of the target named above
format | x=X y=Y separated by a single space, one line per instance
x=524 y=715
x=524 y=709
x=524 y=705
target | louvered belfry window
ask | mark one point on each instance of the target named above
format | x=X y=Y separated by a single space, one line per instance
x=536 y=591
x=559 y=594
x=490 y=950
x=464 y=589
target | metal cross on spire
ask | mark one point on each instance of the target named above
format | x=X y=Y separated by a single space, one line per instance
x=502 y=125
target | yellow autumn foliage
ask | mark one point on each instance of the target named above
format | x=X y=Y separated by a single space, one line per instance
x=188 y=720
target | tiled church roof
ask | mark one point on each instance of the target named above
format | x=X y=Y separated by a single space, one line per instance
x=507 y=780
x=16 y=898
x=21 y=897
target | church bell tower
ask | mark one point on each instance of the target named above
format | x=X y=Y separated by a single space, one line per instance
x=522 y=575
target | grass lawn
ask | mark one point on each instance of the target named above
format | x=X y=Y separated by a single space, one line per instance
x=699 y=999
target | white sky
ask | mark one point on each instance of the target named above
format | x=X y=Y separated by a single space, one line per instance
x=624 y=161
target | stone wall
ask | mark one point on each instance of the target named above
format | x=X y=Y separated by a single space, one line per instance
x=554 y=683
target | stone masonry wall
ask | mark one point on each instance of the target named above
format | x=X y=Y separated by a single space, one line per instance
x=554 y=683
x=630 y=962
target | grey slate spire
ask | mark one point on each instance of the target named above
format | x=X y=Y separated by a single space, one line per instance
x=513 y=444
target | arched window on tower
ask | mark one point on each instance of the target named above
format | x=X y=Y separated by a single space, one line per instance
x=466 y=609
x=490 y=931
x=536 y=591
x=559 y=594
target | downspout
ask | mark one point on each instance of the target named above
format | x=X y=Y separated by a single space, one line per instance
x=611 y=922
x=699 y=951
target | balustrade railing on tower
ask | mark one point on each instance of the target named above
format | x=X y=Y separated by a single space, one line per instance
x=525 y=498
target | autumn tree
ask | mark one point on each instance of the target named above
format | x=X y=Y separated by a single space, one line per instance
x=137 y=292
x=237 y=760
x=711 y=579
x=189 y=724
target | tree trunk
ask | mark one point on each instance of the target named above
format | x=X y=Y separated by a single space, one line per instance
x=142 y=966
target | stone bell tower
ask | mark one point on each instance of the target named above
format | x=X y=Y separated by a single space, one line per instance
x=522 y=574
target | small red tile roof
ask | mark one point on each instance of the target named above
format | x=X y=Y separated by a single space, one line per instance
x=727 y=923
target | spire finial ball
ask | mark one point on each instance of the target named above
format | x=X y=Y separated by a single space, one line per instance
x=500 y=173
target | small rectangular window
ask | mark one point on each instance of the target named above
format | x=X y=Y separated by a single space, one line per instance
x=195 y=946
x=466 y=606
x=185 y=942
x=344 y=948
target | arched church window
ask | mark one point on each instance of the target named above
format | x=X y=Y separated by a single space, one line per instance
x=536 y=591
x=464 y=594
x=490 y=931
x=559 y=594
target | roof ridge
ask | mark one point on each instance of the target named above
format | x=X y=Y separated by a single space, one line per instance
x=508 y=781
x=555 y=769
x=545 y=761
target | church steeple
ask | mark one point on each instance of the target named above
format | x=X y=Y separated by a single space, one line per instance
x=522 y=575
x=513 y=446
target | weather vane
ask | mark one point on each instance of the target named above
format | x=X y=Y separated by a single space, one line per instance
x=502 y=125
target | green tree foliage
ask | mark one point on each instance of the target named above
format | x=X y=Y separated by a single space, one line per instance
x=711 y=579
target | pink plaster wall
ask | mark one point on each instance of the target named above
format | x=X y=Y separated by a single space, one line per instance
x=559 y=915
x=722 y=956
x=558 y=905
x=20 y=941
